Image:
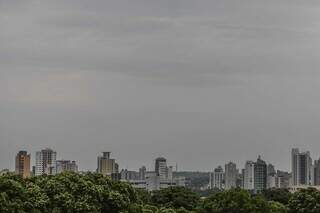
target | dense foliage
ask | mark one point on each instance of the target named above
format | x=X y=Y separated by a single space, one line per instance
x=90 y=192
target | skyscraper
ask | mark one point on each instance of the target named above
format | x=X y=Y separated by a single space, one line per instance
x=66 y=165
x=301 y=163
x=248 y=176
x=260 y=175
x=106 y=165
x=23 y=164
x=161 y=168
x=217 y=178
x=231 y=175
x=46 y=162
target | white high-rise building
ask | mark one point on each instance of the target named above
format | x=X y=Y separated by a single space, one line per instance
x=301 y=164
x=231 y=175
x=217 y=178
x=248 y=176
x=46 y=162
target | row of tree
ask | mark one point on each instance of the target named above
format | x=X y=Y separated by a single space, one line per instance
x=91 y=192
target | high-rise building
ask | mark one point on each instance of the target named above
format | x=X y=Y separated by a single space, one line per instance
x=46 y=162
x=23 y=164
x=231 y=175
x=142 y=173
x=248 y=176
x=161 y=168
x=260 y=175
x=301 y=164
x=106 y=165
x=66 y=165
x=316 y=173
x=217 y=178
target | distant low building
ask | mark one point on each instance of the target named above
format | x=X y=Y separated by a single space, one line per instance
x=66 y=165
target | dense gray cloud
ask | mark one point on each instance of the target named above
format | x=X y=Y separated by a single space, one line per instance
x=200 y=82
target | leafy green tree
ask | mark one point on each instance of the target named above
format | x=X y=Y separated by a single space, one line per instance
x=305 y=201
x=175 y=197
x=279 y=195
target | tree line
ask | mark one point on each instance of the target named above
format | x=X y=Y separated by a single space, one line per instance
x=92 y=192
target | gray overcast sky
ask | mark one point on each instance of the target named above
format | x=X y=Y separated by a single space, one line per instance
x=200 y=82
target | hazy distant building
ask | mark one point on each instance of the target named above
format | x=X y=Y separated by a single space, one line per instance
x=231 y=175
x=107 y=165
x=217 y=178
x=316 y=172
x=23 y=164
x=248 y=176
x=161 y=168
x=283 y=179
x=301 y=163
x=271 y=176
x=142 y=173
x=129 y=175
x=170 y=173
x=46 y=162
x=260 y=175
x=66 y=165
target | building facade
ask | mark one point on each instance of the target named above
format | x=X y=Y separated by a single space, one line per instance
x=22 y=164
x=231 y=175
x=217 y=178
x=66 y=165
x=248 y=176
x=106 y=165
x=46 y=162
x=161 y=168
x=301 y=164
x=260 y=175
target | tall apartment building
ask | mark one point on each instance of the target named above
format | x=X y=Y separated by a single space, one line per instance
x=301 y=164
x=248 y=176
x=107 y=165
x=46 y=162
x=231 y=175
x=66 y=165
x=161 y=168
x=23 y=164
x=217 y=178
x=260 y=175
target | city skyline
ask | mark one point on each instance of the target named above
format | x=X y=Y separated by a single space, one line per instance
x=202 y=82
x=111 y=164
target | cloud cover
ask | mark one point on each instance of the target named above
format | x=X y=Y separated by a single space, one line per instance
x=200 y=82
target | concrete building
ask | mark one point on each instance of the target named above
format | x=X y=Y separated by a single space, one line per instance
x=316 y=173
x=301 y=164
x=248 y=176
x=106 y=165
x=142 y=173
x=231 y=175
x=46 y=162
x=217 y=178
x=283 y=179
x=260 y=175
x=66 y=165
x=22 y=164
x=129 y=175
x=161 y=168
